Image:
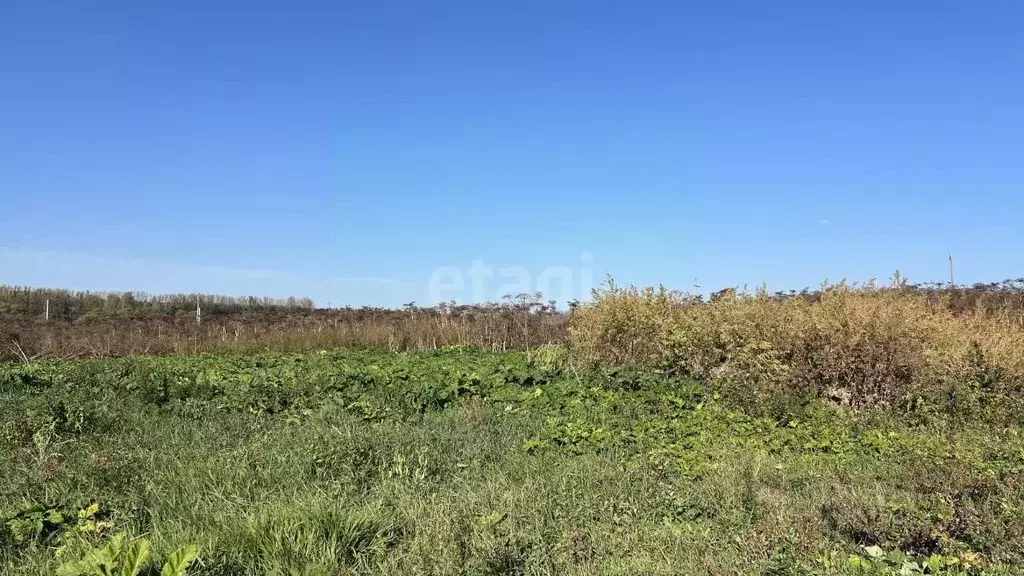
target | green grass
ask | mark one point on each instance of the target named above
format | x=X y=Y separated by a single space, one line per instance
x=464 y=462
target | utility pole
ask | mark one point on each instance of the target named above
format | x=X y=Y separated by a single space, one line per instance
x=199 y=312
x=952 y=283
x=47 y=315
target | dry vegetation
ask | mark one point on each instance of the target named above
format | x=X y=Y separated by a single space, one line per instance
x=84 y=324
x=856 y=430
x=859 y=345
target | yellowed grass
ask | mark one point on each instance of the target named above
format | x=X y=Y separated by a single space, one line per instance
x=860 y=345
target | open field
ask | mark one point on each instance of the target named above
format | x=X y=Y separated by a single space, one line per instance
x=464 y=462
x=37 y=323
x=850 y=430
x=328 y=288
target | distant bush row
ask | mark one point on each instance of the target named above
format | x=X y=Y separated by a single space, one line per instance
x=517 y=323
x=70 y=305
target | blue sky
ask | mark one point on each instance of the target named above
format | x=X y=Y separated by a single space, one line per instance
x=348 y=151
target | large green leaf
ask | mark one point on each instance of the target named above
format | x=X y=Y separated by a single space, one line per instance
x=179 y=562
x=135 y=558
x=76 y=568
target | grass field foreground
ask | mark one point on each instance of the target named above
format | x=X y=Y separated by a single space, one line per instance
x=464 y=462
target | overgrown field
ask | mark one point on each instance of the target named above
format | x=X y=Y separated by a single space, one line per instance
x=466 y=462
x=46 y=323
x=42 y=323
x=858 y=346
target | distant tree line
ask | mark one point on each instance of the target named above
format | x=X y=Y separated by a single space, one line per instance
x=103 y=324
x=71 y=306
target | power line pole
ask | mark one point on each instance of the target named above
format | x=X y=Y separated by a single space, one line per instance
x=952 y=283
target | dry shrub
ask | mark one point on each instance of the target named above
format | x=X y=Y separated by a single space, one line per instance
x=625 y=325
x=857 y=345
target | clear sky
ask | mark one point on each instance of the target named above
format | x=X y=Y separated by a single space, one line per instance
x=351 y=151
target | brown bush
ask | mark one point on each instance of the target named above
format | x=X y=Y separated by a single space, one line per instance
x=858 y=345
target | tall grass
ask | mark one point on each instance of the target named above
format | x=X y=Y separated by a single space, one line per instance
x=473 y=463
x=859 y=345
x=498 y=327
